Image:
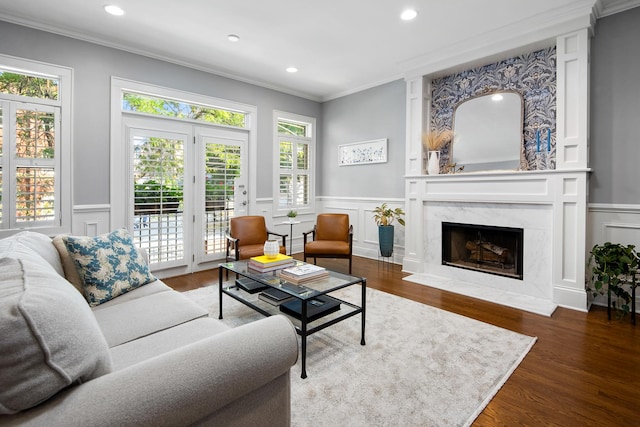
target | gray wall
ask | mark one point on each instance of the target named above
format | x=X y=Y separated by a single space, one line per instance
x=614 y=153
x=93 y=67
x=371 y=114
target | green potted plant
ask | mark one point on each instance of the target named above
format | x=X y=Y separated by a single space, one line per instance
x=613 y=268
x=292 y=215
x=384 y=217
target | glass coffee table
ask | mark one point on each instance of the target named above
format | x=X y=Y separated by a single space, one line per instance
x=309 y=305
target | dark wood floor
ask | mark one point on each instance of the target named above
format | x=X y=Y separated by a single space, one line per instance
x=582 y=371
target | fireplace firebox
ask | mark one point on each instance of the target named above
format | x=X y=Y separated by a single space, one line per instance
x=488 y=249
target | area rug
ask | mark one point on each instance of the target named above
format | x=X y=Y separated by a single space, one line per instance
x=420 y=365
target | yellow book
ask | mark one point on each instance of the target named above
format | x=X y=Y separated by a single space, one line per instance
x=266 y=261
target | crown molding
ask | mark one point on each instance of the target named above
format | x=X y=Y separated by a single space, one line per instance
x=533 y=33
x=149 y=54
x=604 y=8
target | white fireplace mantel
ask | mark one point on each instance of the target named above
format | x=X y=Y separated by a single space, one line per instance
x=550 y=206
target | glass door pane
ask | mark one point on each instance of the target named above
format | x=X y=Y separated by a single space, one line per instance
x=222 y=159
x=158 y=196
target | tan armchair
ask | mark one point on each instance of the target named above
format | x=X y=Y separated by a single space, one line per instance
x=246 y=237
x=332 y=238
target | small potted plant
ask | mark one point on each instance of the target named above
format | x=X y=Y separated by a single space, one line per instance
x=613 y=269
x=292 y=215
x=384 y=217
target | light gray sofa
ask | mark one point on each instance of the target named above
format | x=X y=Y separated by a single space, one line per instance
x=148 y=357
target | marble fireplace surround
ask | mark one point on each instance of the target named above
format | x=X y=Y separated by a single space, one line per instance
x=550 y=206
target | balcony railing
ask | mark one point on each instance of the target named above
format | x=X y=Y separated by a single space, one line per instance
x=162 y=234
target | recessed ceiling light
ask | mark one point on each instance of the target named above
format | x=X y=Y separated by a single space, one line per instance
x=408 y=15
x=114 y=10
x=233 y=38
x=292 y=70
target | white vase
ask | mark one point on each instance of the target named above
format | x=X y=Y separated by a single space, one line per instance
x=271 y=248
x=433 y=164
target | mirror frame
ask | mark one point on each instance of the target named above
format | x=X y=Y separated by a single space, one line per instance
x=523 y=164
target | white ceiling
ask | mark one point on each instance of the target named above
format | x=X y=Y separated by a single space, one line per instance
x=339 y=46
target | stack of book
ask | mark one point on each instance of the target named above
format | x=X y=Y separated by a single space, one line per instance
x=274 y=296
x=250 y=285
x=303 y=273
x=316 y=308
x=263 y=264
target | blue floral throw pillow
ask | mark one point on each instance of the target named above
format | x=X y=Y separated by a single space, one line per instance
x=109 y=265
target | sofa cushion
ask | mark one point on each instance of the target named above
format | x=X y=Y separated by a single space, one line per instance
x=48 y=335
x=161 y=342
x=143 y=291
x=109 y=265
x=140 y=317
x=29 y=241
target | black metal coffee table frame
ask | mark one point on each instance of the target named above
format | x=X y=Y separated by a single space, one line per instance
x=305 y=293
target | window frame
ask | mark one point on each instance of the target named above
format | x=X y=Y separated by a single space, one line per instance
x=63 y=151
x=310 y=139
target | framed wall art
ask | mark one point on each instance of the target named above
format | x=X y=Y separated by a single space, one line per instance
x=362 y=153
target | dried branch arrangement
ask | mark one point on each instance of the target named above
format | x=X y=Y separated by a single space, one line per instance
x=436 y=140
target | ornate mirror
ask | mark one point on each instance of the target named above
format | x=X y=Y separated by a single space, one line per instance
x=488 y=132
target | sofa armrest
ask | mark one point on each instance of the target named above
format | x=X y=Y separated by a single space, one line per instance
x=179 y=387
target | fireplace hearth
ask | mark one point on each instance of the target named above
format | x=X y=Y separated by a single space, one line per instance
x=487 y=249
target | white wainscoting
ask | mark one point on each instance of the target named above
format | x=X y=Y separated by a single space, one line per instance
x=360 y=211
x=613 y=223
x=365 y=230
x=91 y=220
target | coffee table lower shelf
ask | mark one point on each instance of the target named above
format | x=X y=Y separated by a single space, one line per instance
x=303 y=328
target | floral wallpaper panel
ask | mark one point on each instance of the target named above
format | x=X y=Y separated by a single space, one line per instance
x=533 y=75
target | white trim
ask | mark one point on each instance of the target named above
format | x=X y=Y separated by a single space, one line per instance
x=539 y=32
x=146 y=53
x=613 y=208
x=604 y=8
x=105 y=207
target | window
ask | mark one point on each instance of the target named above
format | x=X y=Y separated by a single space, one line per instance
x=295 y=136
x=140 y=103
x=34 y=191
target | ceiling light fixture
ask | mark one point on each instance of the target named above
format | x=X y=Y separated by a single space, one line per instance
x=233 y=38
x=114 y=10
x=292 y=70
x=408 y=15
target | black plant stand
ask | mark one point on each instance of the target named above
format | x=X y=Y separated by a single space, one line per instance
x=633 y=301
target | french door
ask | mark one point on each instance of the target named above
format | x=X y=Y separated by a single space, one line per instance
x=182 y=190
x=221 y=186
